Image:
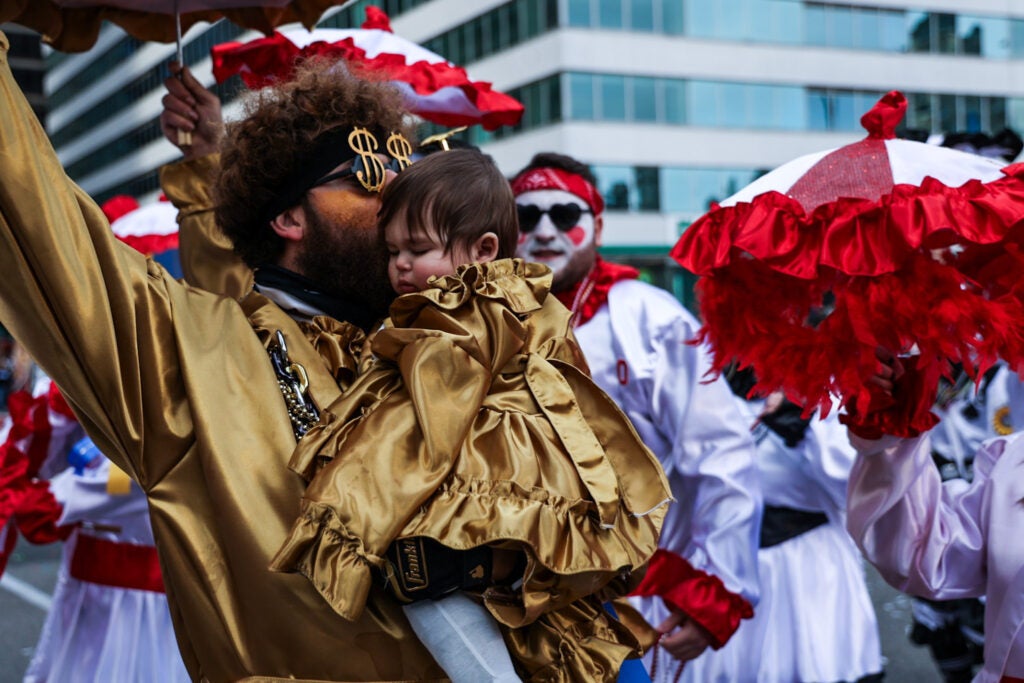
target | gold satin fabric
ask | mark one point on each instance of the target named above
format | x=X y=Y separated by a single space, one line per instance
x=173 y=385
x=474 y=425
x=207 y=258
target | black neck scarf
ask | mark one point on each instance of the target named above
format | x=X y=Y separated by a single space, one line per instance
x=305 y=290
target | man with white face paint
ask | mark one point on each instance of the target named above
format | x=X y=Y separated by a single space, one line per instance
x=703 y=579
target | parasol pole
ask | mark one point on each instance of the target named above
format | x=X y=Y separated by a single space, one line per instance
x=184 y=136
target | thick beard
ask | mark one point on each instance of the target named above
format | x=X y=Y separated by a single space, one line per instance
x=579 y=264
x=350 y=264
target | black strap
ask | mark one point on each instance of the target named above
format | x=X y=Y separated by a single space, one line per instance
x=780 y=524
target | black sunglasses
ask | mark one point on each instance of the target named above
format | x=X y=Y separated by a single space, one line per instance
x=564 y=216
x=359 y=166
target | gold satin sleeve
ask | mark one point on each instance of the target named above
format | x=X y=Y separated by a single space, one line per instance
x=91 y=311
x=208 y=260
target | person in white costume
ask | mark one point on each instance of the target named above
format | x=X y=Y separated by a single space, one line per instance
x=109 y=620
x=970 y=414
x=947 y=541
x=815 y=622
x=703 y=579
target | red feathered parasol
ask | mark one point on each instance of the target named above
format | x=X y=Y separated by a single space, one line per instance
x=435 y=89
x=919 y=247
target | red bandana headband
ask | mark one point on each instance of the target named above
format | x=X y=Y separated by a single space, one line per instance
x=557 y=179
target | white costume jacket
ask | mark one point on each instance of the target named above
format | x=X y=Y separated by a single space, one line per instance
x=636 y=346
x=943 y=542
x=815 y=621
x=109 y=620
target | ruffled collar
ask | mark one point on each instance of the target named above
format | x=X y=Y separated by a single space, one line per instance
x=519 y=285
x=591 y=293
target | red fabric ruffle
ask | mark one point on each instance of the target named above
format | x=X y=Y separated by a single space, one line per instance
x=703 y=597
x=117 y=206
x=26 y=504
x=263 y=61
x=853 y=236
x=896 y=285
x=151 y=244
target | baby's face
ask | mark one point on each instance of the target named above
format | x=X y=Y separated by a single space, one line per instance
x=414 y=256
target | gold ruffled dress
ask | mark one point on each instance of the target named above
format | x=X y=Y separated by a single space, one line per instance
x=475 y=422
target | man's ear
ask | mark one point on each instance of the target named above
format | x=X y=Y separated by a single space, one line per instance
x=290 y=224
x=598 y=230
x=484 y=249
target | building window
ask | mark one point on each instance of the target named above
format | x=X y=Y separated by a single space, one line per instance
x=581 y=97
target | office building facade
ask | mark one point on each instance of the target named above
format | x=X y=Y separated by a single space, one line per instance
x=674 y=103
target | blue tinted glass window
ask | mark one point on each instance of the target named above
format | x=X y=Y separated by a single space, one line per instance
x=972 y=114
x=760 y=109
x=818 y=110
x=996 y=114
x=984 y=36
x=844 y=111
x=613 y=98
x=790 y=109
x=919 y=111
x=919 y=32
x=647 y=188
x=944 y=32
x=610 y=13
x=839 y=26
x=814 y=25
x=865 y=28
x=674 y=97
x=581 y=93
x=700 y=19
x=783 y=21
x=734 y=111
x=641 y=15
x=948 y=121
x=1017 y=37
x=579 y=12
x=1015 y=113
x=892 y=33
x=732 y=19
x=644 y=100
x=672 y=17
x=702 y=99
x=617 y=186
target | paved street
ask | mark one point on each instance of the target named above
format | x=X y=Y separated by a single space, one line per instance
x=29 y=579
x=33 y=571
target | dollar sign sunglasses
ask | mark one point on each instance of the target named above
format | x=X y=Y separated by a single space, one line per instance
x=366 y=166
x=565 y=217
x=361 y=169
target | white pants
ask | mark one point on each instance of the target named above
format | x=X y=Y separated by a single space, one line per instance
x=464 y=639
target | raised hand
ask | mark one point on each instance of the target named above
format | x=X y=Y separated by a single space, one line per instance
x=191 y=108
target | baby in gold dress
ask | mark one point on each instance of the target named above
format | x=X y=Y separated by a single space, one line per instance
x=474 y=424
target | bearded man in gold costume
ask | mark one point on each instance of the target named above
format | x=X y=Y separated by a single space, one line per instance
x=201 y=397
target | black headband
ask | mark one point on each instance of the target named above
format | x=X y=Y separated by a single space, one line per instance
x=329 y=150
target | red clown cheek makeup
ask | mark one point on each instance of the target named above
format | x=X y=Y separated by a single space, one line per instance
x=577 y=235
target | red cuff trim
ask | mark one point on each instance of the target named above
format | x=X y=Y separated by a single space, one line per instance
x=701 y=595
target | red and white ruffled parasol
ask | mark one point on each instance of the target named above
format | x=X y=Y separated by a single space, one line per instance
x=435 y=89
x=920 y=246
x=152 y=230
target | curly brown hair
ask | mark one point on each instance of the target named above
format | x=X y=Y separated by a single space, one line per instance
x=279 y=132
